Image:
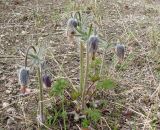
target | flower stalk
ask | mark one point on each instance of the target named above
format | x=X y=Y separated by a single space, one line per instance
x=24 y=73
x=26 y=57
x=81 y=66
x=40 y=94
x=86 y=77
x=39 y=81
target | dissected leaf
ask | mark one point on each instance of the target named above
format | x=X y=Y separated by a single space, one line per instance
x=75 y=95
x=94 y=78
x=93 y=114
x=106 y=84
x=96 y=63
x=85 y=123
x=64 y=114
x=58 y=87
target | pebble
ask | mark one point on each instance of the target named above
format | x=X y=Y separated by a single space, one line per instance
x=8 y=91
x=11 y=121
x=158 y=115
x=11 y=110
x=5 y=104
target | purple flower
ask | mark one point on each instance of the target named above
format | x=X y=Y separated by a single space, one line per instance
x=120 y=50
x=23 y=77
x=47 y=81
x=72 y=23
x=93 y=45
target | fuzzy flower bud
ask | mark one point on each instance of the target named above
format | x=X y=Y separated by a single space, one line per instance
x=93 y=45
x=23 y=77
x=47 y=81
x=71 y=25
x=120 y=50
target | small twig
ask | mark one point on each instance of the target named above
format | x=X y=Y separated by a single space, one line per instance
x=103 y=58
x=42 y=124
x=106 y=123
x=138 y=113
x=90 y=87
x=92 y=94
x=78 y=127
x=14 y=57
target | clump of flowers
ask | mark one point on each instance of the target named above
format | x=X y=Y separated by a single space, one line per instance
x=120 y=50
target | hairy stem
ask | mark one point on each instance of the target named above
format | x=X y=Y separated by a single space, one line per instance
x=102 y=64
x=40 y=94
x=64 y=118
x=86 y=77
x=26 y=57
x=81 y=67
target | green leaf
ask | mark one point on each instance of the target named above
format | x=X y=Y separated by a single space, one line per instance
x=50 y=120
x=94 y=77
x=96 y=63
x=35 y=57
x=90 y=30
x=85 y=123
x=78 y=16
x=75 y=95
x=93 y=114
x=64 y=114
x=106 y=84
x=58 y=87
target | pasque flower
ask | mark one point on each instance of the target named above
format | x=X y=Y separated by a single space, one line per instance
x=120 y=50
x=47 y=81
x=23 y=79
x=93 y=45
x=71 y=25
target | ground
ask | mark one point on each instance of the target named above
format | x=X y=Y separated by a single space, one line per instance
x=133 y=104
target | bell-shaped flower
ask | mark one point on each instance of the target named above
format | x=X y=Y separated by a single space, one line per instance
x=120 y=50
x=71 y=29
x=47 y=81
x=93 y=45
x=23 y=76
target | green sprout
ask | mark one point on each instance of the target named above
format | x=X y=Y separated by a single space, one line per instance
x=58 y=90
x=93 y=114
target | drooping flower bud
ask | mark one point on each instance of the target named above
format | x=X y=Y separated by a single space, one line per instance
x=23 y=77
x=47 y=81
x=120 y=50
x=72 y=22
x=93 y=45
x=23 y=80
x=71 y=25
